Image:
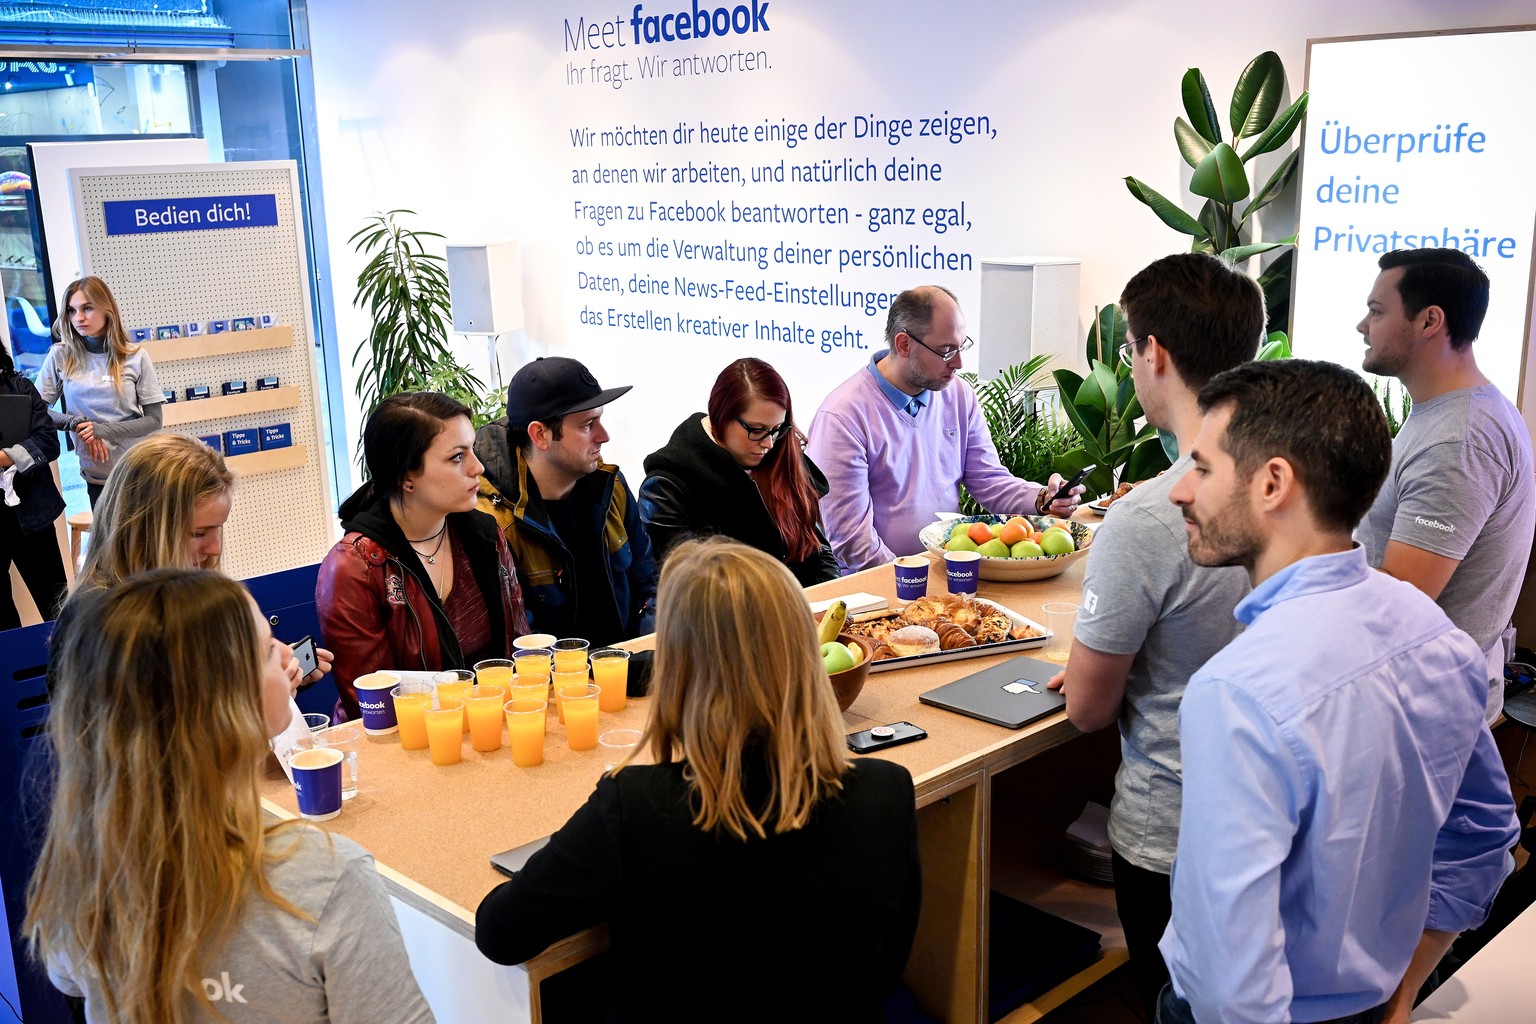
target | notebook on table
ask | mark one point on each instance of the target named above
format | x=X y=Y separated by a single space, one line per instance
x=1011 y=694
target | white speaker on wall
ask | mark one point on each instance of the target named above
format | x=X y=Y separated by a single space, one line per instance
x=1028 y=307
x=485 y=288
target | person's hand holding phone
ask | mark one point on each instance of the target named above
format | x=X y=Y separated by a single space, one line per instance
x=1064 y=496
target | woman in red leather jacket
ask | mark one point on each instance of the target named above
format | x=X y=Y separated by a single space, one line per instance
x=421 y=581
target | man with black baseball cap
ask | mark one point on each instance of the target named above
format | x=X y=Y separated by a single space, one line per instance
x=583 y=558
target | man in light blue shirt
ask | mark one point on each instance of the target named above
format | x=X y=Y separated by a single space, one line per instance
x=1345 y=813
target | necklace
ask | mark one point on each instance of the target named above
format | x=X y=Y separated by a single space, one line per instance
x=440 y=536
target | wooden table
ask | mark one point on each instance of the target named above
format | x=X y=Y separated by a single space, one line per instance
x=1495 y=986
x=432 y=830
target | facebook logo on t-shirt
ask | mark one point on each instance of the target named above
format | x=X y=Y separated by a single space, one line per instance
x=221 y=989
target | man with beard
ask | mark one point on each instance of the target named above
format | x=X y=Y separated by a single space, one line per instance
x=1345 y=812
x=583 y=558
x=898 y=438
x=1458 y=511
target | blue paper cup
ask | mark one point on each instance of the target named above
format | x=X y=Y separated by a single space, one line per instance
x=317 y=779
x=911 y=577
x=962 y=568
x=377 y=705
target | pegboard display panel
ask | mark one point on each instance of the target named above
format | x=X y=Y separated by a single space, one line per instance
x=281 y=518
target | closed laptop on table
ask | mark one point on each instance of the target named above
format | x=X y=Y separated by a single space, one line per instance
x=1011 y=694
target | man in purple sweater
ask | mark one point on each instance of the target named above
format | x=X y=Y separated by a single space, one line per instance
x=898 y=438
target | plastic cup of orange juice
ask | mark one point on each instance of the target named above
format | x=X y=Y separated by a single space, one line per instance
x=580 y=703
x=525 y=730
x=533 y=663
x=570 y=655
x=560 y=681
x=411 y=700
x=445 y=736
x=482 y=707
x=452 y=683
x=610 y=671
x=494 y=672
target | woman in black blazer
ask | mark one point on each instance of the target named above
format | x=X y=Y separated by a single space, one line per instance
x=753 y=872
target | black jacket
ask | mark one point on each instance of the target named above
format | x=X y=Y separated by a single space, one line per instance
x=545 y=566
x=814 y=924
x=694 y=488
x=41 y=502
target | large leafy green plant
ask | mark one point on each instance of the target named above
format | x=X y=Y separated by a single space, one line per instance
x=1103 y=410
x=1029 y=440
x=404 y=290
x=1221 y=171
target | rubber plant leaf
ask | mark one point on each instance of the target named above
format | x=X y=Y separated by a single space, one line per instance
x=1167 y=212
x=1257 y=95
x=1275 y=185
x=1221 y=176
x=1280 y=131
x=1198 y=106
x=1192 y=145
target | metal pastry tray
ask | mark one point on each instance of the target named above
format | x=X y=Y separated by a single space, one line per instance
x=979 y=651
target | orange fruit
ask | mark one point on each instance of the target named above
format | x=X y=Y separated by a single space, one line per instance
x=1012 y=533
x=979 y=532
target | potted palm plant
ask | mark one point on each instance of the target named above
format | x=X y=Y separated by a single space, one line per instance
x=1030 y=440
x=404 y=290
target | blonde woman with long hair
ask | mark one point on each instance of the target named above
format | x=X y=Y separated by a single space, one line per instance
x=731 y=871
x=161 y=896
x=111 y=394
x=164 y=507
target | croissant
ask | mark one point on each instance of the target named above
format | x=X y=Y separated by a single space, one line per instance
x=881 y=653
x=952 y=637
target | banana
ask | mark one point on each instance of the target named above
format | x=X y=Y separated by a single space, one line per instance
x=832 y=622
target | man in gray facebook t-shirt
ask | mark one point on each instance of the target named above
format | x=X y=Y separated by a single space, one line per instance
x=1458 y=511
x=1150 y=617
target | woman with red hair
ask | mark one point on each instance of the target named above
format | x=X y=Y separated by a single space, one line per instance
x=740 y=470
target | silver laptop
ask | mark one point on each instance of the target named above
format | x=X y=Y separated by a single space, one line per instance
x=510 y=862
x=1011 y=694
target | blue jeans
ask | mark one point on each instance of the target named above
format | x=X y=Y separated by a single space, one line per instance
x=1171 y=1009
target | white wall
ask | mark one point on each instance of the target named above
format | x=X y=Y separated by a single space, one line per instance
x=467 y=120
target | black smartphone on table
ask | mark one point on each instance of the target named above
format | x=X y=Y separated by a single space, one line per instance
x=882 y=736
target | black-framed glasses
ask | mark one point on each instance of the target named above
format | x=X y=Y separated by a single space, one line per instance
x=763 y=433
x=945 y=354
x=1128 y=349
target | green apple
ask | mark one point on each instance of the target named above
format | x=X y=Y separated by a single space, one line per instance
x=836 y=657
x=960 y=543
x=994 y=549
x=1026 y=549
x=958 y=530
x=997 y=529
x=1057 y=542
